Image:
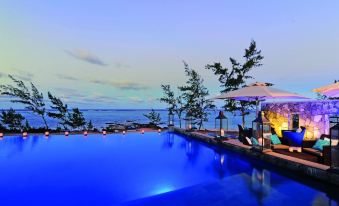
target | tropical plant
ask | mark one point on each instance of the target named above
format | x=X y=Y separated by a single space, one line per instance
x=27 y=127
x=33 y=99
x=180 y=108
x=235 y=77
x=175 y=104
x=2 y=128
x=12 y=119
x=61 y=111
x=76 y=119
x=168 y=97
x=153 y=117
x=90 y=125
x=194 y=93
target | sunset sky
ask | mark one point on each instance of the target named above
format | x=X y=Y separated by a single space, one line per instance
x=115 y=54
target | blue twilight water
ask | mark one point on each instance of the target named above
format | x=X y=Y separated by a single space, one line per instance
x=101 y=117
x=99 y=170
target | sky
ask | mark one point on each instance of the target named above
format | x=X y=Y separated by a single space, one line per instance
x=116 y=54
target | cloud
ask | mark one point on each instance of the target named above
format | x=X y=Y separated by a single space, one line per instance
x=136 y=100
x=120 y=65
x=121 y=85
x=86 y=56
x=19 y=74
x=68 y=93
x=74 y=97
x=66 y=77
x=5 y=98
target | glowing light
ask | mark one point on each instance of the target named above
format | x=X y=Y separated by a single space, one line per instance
x=46 y=133
x=284 y=126
x=142 y=131
x=24 y=135
x=104 y=132
x=163 y=189
x=66 y=133
x=1 y=135
x=159 y=130
x=85 y=133
x=124 y=132
x=222 y=159
x=222 y=132
x=316 y=133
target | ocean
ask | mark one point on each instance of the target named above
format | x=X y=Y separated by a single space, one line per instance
x=100 y=118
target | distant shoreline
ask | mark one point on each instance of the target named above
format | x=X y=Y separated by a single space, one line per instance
x=122 y=110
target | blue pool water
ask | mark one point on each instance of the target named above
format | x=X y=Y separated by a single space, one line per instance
x=135 y=168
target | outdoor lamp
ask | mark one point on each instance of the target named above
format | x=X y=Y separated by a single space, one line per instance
x=66 y=133
x=1 y=135
x=188 y=121
x=104 y=132
x=47 y=133
x=170 y=119
x=159 y=130
x=85 y=133
x=334 y=138
x=221 y=123
x=124 y=132
x=262 y=131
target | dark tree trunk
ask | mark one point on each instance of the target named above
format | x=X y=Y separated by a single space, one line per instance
x=45 y=122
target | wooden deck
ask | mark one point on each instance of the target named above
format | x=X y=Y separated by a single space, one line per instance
x=301 y=166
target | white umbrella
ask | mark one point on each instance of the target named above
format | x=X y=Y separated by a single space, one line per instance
x=331 y=90
x=259 y=92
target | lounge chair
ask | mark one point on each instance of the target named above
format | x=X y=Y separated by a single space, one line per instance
x=243 y=133
x=279 y=146
x=323 y=156
x=295 y=139
x=284 y=143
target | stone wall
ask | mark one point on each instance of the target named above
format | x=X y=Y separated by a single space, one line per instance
x=314 y=115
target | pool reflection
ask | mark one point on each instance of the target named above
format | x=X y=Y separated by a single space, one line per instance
x=168 y=140
x=260 y=183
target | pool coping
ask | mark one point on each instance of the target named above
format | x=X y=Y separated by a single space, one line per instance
x=302 y=167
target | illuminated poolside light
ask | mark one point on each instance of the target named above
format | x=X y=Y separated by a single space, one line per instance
x=46 y=133
x=159 y=130
x=1 y=135
x=221 y=123
x=163 y=189
x=222 y=132
x=85 y=133
x=24 y=135
x=66 y=133
x=142 y=131
x=170 y=119
x=104 y=132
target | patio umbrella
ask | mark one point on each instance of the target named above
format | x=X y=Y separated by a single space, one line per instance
x=331 y=90
x=257 y=92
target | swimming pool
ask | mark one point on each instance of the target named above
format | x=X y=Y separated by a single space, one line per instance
x=134 y=169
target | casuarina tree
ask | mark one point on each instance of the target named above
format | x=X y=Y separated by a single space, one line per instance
x=12 y=120
x=235 y=77
x=175 y=104
x=153 y=117
x=60 y=111
x=195 y=95
x=32 y=98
